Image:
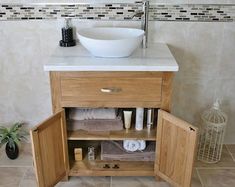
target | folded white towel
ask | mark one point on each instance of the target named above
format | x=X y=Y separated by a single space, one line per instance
x=88 y=113
x=134 y=145
x=142 y=145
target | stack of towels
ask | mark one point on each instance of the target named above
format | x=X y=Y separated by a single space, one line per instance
x=92 y=113
x=100 y=119
x=114 y=150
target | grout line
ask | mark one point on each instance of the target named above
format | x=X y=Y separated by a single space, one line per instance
x=199 y=177
x=12 y=166
x=214 y=168
x=230 y=153
x=23 y=177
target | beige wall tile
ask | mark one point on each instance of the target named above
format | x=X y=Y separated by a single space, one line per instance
x=22 y=69
x=226 y=90
x=204 y=52
x=227 y=57
x=191 y=96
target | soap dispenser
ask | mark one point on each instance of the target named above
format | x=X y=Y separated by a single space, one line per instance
x=67 y=34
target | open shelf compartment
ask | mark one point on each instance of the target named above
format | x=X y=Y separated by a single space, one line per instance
x=99 y=167
x=125 y=168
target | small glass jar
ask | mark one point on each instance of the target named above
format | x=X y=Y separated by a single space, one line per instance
x=91 y=153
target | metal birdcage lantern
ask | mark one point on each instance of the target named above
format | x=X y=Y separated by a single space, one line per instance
x=212 y=134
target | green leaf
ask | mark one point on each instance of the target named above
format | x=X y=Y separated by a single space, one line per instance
x=3 y=130
x=15 y=127
x=12 y=135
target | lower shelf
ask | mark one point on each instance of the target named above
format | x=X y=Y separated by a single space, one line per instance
x=111 y=168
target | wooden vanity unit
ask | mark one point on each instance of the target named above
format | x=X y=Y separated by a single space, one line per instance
x=175 y=138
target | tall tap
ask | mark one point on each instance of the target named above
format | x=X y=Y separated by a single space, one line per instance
x=144 y=15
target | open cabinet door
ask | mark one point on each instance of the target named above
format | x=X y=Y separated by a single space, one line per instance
x=50 y=150
x=176 y=144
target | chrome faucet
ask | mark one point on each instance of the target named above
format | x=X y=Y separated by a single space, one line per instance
x=144 y=15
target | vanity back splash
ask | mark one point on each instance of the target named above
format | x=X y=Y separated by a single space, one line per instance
x=118 y=11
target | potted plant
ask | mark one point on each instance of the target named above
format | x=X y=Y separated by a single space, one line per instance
x=12 y=137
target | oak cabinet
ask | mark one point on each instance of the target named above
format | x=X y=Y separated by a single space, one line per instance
x=175 y=138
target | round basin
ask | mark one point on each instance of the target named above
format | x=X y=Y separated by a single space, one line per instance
x=110 y=42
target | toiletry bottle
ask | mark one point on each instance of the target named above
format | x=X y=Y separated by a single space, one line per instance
x=139 y=119
x=150 y=118
x=67 y=34
x=127 y=119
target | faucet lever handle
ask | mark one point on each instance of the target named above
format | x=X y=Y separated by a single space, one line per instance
x=138 y=14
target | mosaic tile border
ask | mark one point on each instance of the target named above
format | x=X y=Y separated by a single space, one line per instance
x=119 y=11
x=193 y=12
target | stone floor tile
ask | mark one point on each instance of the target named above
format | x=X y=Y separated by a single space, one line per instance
x=217 y=177
x=226 y=161
x=195 y=179
x=86 y=182
x=24 y=159
x=137 y=182
x=11 y=177
x=231 y=149
x=29 y=179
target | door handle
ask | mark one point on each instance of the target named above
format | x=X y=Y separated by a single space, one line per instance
x=110 y=90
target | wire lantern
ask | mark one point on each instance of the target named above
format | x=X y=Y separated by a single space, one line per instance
x=212 y=134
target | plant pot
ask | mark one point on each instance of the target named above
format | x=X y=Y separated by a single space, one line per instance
x=11 y=152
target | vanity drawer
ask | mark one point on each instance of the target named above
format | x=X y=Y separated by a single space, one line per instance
x=110 y=89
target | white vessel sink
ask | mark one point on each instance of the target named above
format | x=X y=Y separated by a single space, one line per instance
x=110 y=42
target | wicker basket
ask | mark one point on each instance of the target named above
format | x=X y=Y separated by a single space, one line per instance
x=212 y=134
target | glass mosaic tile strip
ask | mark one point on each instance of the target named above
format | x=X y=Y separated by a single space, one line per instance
x=118 y=11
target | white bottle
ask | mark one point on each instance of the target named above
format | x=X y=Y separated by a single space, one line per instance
x=139 y=120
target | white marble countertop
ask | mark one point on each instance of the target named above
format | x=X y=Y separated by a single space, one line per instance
x=157 y=57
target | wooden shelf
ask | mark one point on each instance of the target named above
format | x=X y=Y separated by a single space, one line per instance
x=113 y=135
x=126 y=168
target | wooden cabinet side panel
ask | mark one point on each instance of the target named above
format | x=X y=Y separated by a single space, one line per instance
x=167 y=79
x=55 y=91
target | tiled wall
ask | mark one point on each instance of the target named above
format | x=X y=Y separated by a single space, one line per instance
x=203 y=50
x=119 y=11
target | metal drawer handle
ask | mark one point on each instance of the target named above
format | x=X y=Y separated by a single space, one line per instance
x=110 y=90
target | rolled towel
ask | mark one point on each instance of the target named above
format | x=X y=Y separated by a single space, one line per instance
x=88 y=113
x=134 y=145
x=131 y=145
x=142 y=145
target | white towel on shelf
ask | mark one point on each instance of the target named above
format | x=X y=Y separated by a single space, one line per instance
x=89 y=113
x=142 y=145
x=134 y=145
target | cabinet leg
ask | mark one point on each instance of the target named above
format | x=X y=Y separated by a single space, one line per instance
x=66 y=178
x=157 y=178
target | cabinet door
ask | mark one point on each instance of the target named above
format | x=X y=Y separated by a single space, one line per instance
x=50 y=150
x=176 y=144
